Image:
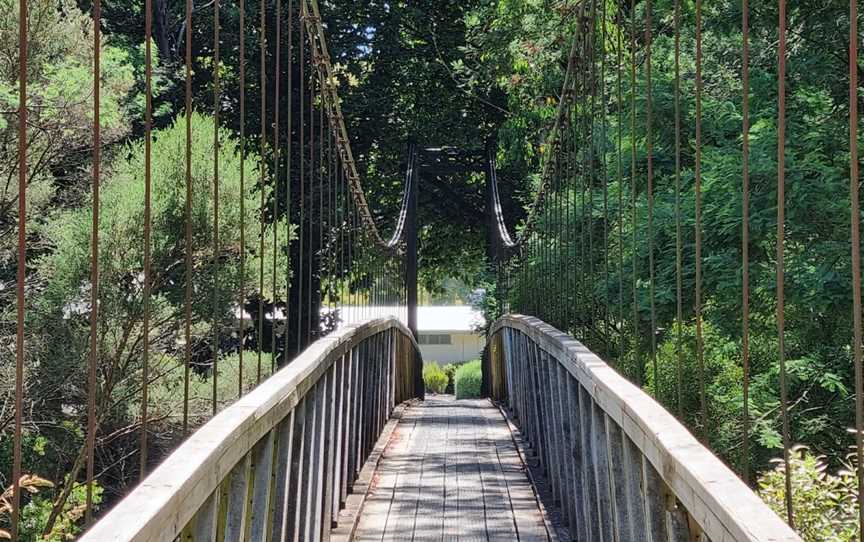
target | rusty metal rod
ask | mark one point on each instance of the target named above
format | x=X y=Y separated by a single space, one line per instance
x=856 y=257
x=22 y=265
x=781 y=234
x=148 y=143
x=94 y=262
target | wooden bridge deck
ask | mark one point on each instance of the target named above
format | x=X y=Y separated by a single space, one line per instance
x=451 y=471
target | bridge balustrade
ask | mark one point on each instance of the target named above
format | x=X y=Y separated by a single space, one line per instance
x=620 y=466
x=279 y=463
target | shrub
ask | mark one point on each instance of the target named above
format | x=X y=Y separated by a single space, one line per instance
x=450 y=371
x=469 y=380
x=435 y=378
x=825 y=504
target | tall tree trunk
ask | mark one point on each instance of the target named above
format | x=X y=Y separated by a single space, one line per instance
x=161 y=30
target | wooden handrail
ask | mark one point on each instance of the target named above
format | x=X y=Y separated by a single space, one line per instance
x=618 y=461
x=241 y=475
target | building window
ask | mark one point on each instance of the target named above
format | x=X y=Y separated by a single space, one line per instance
x=437 y=339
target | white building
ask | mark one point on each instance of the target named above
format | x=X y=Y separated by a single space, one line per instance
x=446 y=333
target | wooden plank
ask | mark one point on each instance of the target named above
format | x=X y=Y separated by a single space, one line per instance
x=238 y=500
x=340 y=386
x=471 y=502
x=262 y=470
x=282 y=477
x=316 y=467
x=619 y=480
x=294 y=499
x=328 y=521
x=305 y=489
x=500 y=521
x=451 y=472
x=563 y=407
x=409 y=461
x=580 y=462
x=428 y=524
x=362 y=489
x=656 y=503
x=721 y=504
x=171 y=496
x=205 y=520
x=601 y=472
x=376 y=510
x=553 y=427
x=528 y=517
x=347 y=477
x=352 y=466
x=635 y=492
x=450 y=517
x=363 y=406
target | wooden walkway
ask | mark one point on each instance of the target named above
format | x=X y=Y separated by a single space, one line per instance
x=451 y=472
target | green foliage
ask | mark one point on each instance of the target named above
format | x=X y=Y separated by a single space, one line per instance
x=435 y=378
x=825 y=503
x=584 y=275
x=59 y=311
x=60 y=87
x=34 y=515
x=469 y=380
x=63 y=307
x=450 y=371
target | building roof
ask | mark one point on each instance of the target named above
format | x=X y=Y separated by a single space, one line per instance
x=448 y=318
x=430 y=318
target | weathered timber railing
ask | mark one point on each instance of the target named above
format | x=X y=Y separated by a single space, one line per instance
x=278 y=464
x=620 y=466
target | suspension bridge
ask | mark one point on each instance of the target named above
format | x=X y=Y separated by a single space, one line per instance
x=340 y=441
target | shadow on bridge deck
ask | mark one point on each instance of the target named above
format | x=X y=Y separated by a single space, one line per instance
x=451 y=470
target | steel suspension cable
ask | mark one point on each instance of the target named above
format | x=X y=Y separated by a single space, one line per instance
x=187 y=296
x=311 y=171
x=216 y=106
x=855 y=238
x=23 y=17
x=321 y=175
x=604 y=179
x=781 y=234
x=94 y=262
x=591 y=158
x=700 y=347
x=301 y=204
x=584 y=141
x=148 y=125
x=745 y=234
x=633 y=191
x=288 y=157
x=573 y=151
x=330 y=221
x=276 y=161
x=620 y=173
x=679 y=333
x=263 y=183
x=649 y=151
x=242 y=129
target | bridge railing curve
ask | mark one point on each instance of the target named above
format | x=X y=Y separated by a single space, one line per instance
x=278 y=464
x=620 y=466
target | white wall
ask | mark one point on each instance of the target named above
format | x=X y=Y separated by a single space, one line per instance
x=464 y=347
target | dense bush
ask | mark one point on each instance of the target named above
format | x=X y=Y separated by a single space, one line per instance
x=450 y=371
x=825 y=504
x=468 y=380
x=434 y=378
